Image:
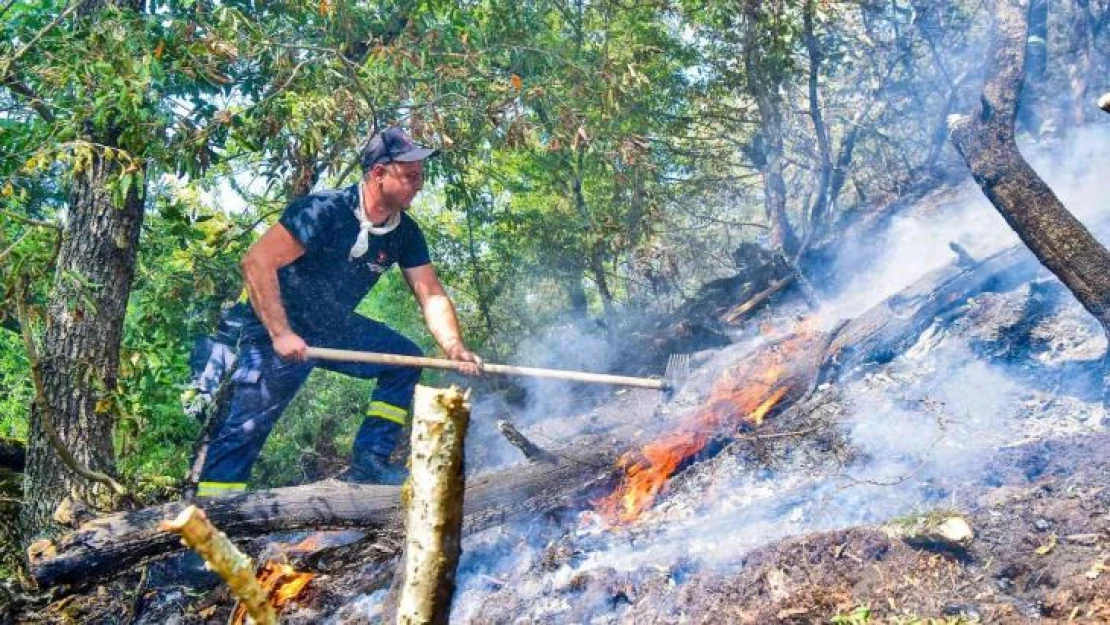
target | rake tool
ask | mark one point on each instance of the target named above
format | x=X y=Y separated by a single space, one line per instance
x=678 y=367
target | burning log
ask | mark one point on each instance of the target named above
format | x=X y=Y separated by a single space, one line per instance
x=110 y=544
x=225 y=558
x=530 y=450
x=433 y=526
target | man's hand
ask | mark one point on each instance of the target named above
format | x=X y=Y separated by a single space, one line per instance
x=472 y=363
x=290 y=346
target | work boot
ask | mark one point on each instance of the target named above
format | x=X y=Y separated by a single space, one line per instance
x=375 y=469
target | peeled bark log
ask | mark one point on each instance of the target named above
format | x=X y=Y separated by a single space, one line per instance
x=986 y=141
x=433 y=525
x=531 y=451
x=111 y=544
x=226 y=560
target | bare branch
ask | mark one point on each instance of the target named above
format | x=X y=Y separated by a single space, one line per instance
x=45 y=418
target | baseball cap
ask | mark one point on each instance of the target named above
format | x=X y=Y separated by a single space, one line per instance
x=392 y=145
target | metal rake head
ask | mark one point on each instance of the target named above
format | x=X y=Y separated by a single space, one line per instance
x=678 y=369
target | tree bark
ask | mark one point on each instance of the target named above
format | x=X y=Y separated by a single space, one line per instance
x=433 y=525
x=824 y=173
x=84 y=324
x=113 y=543
x=80 y=350
x=763 y=84
x=1079 y=71
x=986 y=142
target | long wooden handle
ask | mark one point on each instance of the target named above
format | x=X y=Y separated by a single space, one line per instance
x=323 y=353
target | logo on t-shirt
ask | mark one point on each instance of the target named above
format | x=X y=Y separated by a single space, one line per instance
x=379 y=264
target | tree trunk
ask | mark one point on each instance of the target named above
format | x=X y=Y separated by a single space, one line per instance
x=986 y=142
x=79 y=360
x=433 y=524
x=817 y=212
x=764 y=88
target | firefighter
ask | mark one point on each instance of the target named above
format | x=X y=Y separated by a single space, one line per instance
x=304 y=278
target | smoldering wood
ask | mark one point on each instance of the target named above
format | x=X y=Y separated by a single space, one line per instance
x=531 y=451
x=111 y=544
x=963 y=257
x=231 y=564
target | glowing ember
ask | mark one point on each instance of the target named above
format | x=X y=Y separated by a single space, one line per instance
x=746 y=392
x=282 y=582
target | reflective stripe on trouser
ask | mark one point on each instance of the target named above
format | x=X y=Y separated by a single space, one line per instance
x=380 y=431
x=217 y=489
x=263 y=385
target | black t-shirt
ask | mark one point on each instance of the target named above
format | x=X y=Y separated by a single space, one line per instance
x=321 y=289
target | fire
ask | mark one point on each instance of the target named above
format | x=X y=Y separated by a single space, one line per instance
x=282 y=582
x=744 y=393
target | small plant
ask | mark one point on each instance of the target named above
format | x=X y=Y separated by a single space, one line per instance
x=858 y=616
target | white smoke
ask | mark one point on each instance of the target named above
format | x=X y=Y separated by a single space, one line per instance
x=925 y=427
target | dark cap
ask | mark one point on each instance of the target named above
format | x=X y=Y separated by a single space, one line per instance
x=392 y=145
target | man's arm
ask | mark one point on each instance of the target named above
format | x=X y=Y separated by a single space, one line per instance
x=439 y=314
x=274 y=250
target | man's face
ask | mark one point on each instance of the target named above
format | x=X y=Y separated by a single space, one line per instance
x=399 y=183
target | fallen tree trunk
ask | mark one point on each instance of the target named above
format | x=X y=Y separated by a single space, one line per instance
x=111 y=544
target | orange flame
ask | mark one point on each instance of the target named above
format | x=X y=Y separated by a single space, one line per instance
x=282 y=582
x=747 y=392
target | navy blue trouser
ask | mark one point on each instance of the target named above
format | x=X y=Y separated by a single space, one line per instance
x=263 y=384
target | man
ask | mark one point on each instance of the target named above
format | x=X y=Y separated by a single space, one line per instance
x=304 y=278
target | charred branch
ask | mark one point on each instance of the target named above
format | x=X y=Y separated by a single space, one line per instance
x=232 y=565
x=986 y=142
x=531 y=451
x=963 y=257
x=743 y=308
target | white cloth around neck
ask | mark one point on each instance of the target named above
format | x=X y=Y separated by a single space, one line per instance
x=366 y=228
